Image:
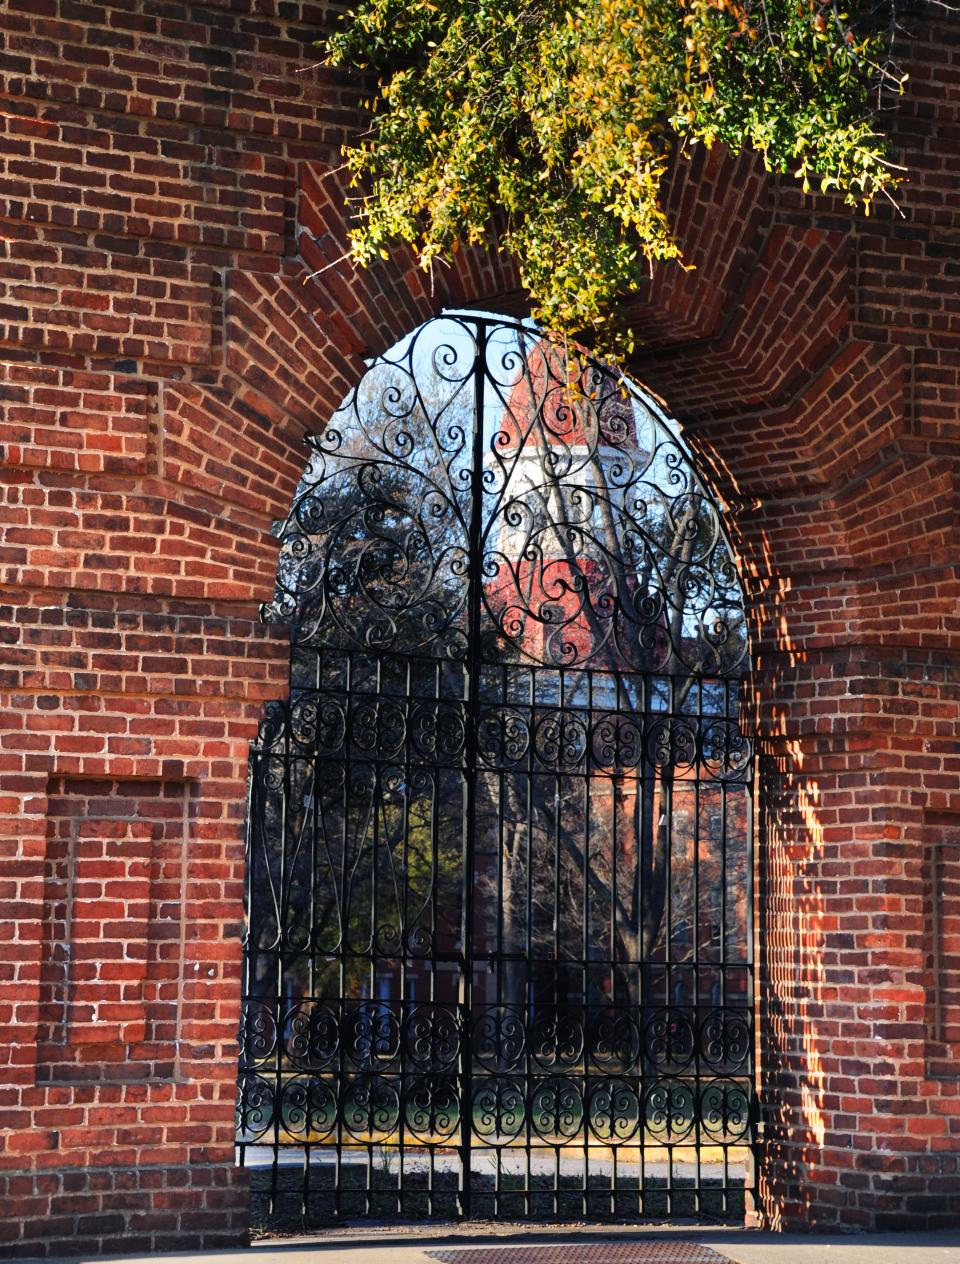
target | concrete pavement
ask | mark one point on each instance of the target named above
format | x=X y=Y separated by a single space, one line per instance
x=416 y=1245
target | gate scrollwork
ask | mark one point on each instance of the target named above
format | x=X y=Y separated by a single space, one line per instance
x=498 y=956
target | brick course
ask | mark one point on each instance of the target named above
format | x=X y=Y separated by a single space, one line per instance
x=169 y=195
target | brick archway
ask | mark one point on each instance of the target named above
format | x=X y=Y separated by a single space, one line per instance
x=172 y=328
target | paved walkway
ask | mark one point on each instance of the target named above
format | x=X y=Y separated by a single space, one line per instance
x=506 y=1244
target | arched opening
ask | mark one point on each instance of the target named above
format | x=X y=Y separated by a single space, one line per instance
x=499 y=953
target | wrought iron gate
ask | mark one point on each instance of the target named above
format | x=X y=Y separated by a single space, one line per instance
x=498 y=959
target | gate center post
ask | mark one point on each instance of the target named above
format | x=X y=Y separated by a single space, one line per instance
x=470 y=772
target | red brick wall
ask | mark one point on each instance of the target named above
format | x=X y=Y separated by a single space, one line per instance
x=824 y=397
x=166 y=338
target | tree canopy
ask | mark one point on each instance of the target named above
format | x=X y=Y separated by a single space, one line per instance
x=551 y=123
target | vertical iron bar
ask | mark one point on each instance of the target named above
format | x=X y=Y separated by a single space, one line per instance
x=375 y=841
x=725 y=806
x=281 y=935
x=528 y=993
x=695 y=946
x=344 y=943
x=752 y=1007
x=314 y=814
x=404 y=1009
x=666 y=809
x=470 y=752
x=436 y=797
x=614 y=786
x=724 y=799
x=585 y=948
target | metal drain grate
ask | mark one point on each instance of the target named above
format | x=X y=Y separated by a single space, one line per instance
x=584 y=1253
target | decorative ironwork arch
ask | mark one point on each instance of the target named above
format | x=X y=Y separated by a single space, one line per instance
x=598 y=540
x=499 y=951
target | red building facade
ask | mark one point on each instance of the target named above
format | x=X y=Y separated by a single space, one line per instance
x=169 y=197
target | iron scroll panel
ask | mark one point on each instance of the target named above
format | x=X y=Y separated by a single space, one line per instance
x=499 y=857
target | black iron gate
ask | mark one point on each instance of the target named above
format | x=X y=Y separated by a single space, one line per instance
x=498 y=959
